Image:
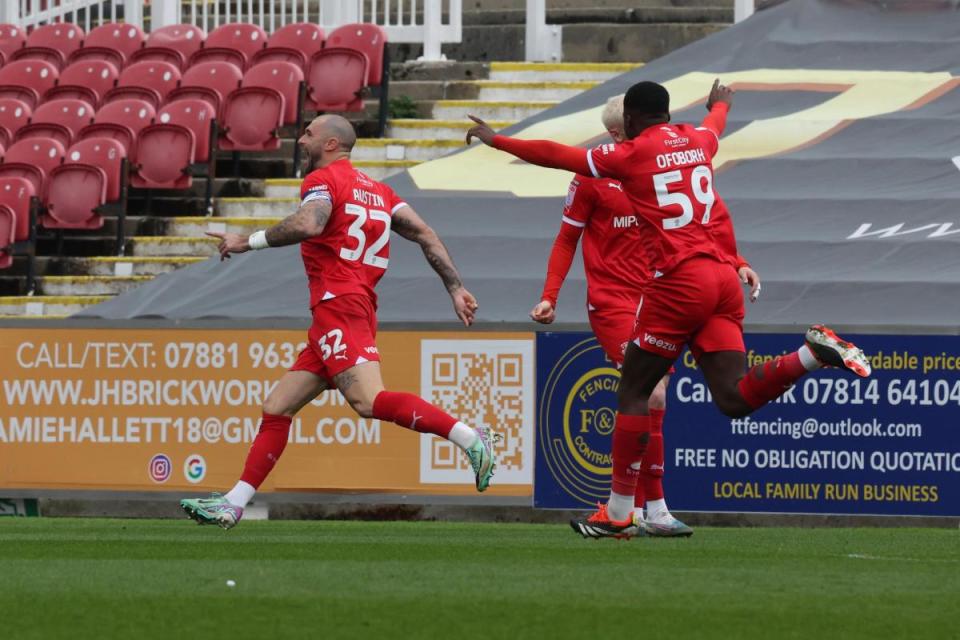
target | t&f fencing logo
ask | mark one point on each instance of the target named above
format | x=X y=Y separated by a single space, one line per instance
x=482 y=383
x=160 y=468
x=576 y=411
x=194 y=468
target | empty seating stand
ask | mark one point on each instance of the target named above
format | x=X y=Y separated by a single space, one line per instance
x=53 y=43
x=114 y=43
x=18 y=216
x=234 y=42
x=174 y=44
x=370 y=40
x=295 y=43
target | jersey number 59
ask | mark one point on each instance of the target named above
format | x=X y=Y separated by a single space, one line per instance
x=701 y=184
x=357 y=232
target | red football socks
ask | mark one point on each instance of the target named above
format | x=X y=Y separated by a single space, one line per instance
x=630 y=435
x=266 y=448
x=768 y=381
x=651 y=473
x=412 y=412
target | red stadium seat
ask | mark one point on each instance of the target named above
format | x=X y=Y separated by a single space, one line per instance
x=27 y=80
x=229 y=39
x=251 y=119
x=199 y=117
x=295 y=43
x=335 y=80
x=87 y=80
x=104 y=153
x=121 y=121
x=174 y=43
x=13 y=115
x=211 y=81
x=73 y=193
x=195 y=115
x=112 y=42
x=285 y=78
x=15 y=216
x=52 y=42
x=163 y=158
x=368 y=39
x=32 y=159
x=148 y=80
x=12 y=38
x=61 y=120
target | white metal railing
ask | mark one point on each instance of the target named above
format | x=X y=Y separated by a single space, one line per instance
x=429 y=22
x=84 y=13
x=420 y=21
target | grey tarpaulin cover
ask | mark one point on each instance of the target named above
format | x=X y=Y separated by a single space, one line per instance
x=840 y=165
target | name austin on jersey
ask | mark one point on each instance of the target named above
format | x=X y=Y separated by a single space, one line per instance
x=359 y=195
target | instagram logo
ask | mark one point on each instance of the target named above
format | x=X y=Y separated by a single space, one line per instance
x=160 y=468
x=194 y=468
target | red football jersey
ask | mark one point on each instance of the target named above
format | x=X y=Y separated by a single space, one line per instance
x=352 y=253
x=615 y=241
x=667 y=173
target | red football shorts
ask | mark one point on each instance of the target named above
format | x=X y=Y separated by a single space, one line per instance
x=343 y=335
x=613 y=328
x=699 y=303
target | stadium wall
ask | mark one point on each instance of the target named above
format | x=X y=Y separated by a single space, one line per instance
x=152 y=413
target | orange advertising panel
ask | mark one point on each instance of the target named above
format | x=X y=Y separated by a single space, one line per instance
x=176 y=409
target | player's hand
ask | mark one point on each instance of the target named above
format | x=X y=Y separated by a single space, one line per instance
x=465 y=305
x=544 y=313
x=481 y=131
x=230 y=243
x=719 y=93
x=749 y=277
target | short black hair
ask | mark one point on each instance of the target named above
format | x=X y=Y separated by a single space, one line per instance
x=647 y=98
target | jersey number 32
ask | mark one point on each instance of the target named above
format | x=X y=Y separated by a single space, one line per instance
x=357 y=232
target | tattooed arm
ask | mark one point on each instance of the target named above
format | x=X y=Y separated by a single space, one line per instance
x=406 y=223
x=308 y=221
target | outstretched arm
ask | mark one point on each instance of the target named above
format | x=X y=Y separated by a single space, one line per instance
x=406 y=223
x=540 y=152
x=308 y=221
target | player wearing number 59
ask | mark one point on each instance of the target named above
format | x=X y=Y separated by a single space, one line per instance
x=343 y=226
x=694 y=297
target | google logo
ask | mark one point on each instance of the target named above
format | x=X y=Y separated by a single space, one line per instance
x=194 y=468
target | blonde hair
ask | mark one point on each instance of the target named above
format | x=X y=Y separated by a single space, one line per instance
x=612 y=116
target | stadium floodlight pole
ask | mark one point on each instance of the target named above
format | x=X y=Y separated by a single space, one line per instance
x=743 y=9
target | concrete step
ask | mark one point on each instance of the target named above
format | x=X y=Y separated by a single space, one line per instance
x=380 y=169
x=402 y=149
x=128 y=265
x=88 y=285
x=554 y=91
x=191 y=228
x=167 y=246
x=489 y=109
x=558 y=72
x=270 y=207
x=46 y=306
x=437 y=129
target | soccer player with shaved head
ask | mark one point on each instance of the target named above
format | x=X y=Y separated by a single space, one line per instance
x=694 y=297
x=343 y=227
x=616 y=266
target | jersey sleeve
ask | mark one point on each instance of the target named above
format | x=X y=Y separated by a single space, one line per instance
x=394 y=202
x=712 y=127
x=581 y=197
x=318 y=185
x=610 y=160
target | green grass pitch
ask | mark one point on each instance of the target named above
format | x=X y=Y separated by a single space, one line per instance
x=92 y=578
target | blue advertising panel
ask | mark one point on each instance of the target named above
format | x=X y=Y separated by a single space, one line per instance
x=833 y=444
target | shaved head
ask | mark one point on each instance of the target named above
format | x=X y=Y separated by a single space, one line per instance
x=334 y=126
